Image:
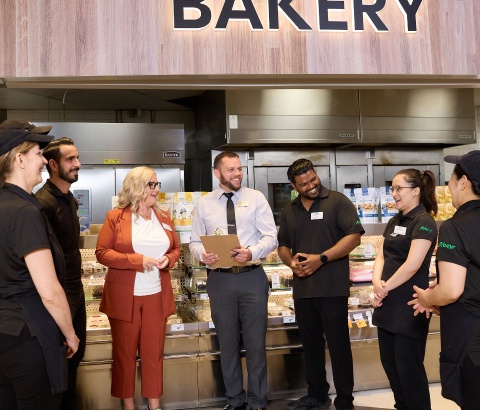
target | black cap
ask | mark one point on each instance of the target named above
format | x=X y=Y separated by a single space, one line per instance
x=469 y=162
x=26 y=125
x=12 y=137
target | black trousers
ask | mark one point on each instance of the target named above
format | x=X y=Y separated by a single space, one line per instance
x=239 y=302
x=24 y=383
x=402 y=359
x=470 y=376
x=320 y=318
x=76 y=301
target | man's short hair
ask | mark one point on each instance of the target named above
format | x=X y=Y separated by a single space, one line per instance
x=52 y=150
x=299 y=167
x=219 y=157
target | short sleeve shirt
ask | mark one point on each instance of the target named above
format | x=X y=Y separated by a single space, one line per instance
x=458 y=243
x=331 y=217
x=395 y=315
x=23 y=230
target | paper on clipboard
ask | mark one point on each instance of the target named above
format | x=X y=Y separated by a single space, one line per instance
x=222 y=245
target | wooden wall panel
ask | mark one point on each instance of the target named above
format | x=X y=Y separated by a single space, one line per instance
x=58 y=38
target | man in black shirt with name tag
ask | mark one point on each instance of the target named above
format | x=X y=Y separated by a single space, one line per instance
x=317 y=231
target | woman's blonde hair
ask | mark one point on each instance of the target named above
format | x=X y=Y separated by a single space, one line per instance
x=133 y=190
x=7 y=159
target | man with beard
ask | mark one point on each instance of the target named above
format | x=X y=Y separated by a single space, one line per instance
x=60 y=206
x=317 y=231
x=239 y=294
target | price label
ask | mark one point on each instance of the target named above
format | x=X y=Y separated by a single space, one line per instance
x=360 y=322
x=176 y=328
x=202 y=296
x=289 y=319
x=275 y=281
x=211 y=325
x=353 y=301
x=179 y=298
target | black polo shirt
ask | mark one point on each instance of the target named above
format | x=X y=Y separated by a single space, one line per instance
x=61 y=210
x=458 y=243
x=23 y=230
x=331 y=217
x=395 y=315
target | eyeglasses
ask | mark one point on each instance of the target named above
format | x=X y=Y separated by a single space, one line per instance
x=399 y=188
x=153 y=185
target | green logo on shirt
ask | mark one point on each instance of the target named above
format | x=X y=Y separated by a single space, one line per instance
x=358 y=223
x=424 y=228
x=446 y=245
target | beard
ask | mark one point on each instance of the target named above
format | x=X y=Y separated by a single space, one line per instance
x=66 y=176
x=230 y=184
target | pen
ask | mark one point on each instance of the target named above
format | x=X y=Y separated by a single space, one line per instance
x=236 y=253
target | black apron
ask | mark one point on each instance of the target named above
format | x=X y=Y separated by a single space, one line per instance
x=44 y=328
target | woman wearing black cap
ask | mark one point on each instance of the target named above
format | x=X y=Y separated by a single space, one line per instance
x=36 y=332
x=458 y=288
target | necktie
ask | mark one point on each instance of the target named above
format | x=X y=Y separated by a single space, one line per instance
x=232 y=226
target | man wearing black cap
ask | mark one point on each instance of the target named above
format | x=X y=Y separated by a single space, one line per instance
x=25 y=125
x=458 y=288
x=61 y=207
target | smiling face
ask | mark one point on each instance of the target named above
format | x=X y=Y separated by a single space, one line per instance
x=230 y=174
x=69 y=164
x=307 y=185
x=151 y=198
x=405 y=196
x=34 y=162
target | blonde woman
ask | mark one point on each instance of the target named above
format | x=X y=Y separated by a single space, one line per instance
x=138 y=244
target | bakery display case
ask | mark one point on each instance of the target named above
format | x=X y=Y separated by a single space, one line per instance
x=192 y=371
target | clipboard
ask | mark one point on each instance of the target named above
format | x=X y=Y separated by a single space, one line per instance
x=222 y=245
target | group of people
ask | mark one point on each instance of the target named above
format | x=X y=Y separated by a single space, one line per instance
x=42 y=305
x=317 y=232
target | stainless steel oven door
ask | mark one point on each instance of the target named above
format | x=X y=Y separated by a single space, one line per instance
x=274 y=184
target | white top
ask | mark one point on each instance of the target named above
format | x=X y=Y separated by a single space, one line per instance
x=149 y=239
x=254 y=219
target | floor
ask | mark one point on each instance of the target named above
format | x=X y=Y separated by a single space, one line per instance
x=377 y=400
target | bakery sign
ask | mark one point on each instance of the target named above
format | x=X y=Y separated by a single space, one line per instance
x=197 y=15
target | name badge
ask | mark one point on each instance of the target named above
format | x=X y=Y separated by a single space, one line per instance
x=167 y=226
x=316 y=215
x=400 y=230
x=242 y=203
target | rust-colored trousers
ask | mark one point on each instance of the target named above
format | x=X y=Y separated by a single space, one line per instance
x=146 y=333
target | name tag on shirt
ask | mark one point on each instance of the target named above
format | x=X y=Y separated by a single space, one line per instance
x=400 y=230
x=316 y=215
x=167 y=226
x=242 y=203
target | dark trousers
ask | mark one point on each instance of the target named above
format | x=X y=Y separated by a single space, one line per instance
x=470 y=375
x=76 y=301
x=402 y=359
x=320 y=318
x=24 y=383
x=239 y=301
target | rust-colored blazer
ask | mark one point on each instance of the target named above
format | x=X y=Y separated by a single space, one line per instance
x=115 y=250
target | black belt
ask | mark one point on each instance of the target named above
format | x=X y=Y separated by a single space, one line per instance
x=236 y=269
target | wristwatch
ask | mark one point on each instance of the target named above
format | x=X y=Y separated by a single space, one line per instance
x=324 y=258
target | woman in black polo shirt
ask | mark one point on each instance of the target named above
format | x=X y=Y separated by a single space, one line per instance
x=404 y=261
x=458 y=288
x=35 y=321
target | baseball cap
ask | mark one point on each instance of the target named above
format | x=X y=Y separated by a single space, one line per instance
x=26 y=125
x=469 y=162
x=11 y=137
